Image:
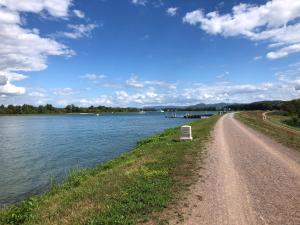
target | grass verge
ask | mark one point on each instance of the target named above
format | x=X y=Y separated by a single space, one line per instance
x=127 y=190
x=255 y=119
x=282 y=120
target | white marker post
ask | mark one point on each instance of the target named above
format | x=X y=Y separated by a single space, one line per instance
x=186 y=133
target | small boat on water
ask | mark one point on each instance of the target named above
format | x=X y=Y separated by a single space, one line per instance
x=142 y=112
x=162 y=111
x=97 y=114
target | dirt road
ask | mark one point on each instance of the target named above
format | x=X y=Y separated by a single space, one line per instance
x=249 y=179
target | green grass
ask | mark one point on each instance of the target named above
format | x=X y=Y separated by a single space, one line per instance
x=130 y=189
x=284 y=136
x=282 y=120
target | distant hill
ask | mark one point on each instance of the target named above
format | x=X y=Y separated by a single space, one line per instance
x=261 y=105
x=202 y=105
x=197 y=106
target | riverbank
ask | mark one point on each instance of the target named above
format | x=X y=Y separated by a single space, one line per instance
x=255 y=119
x=127 y=190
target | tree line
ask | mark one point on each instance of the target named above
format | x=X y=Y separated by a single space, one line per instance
x=50 y=109
x=287 y=108
x=291 y=108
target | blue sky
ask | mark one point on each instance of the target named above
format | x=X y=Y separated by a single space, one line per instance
x=148 y=52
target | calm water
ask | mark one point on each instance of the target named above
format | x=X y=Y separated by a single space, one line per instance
x=36 y=149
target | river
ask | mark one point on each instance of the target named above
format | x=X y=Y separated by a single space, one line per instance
x=37 y=149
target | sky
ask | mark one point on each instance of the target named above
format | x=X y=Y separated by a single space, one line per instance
x=148 y=52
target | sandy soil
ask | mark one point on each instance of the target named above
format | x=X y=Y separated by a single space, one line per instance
x=249 y=179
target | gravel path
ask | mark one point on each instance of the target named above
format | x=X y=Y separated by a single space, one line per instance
x=249 y=179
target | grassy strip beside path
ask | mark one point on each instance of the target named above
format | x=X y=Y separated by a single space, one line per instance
x=281 y=120
x=255 y=119
x=127 y=190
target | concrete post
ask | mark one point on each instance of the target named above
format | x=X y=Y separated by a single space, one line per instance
x=186 y=133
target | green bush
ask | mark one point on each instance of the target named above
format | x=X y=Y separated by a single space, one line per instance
x=294 y=121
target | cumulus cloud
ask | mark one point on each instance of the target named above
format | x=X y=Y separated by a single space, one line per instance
x=220 y=92
x=3 y=80
x=64 y=91
x=140 y=98
x=10 y=89
x=196 y=93
x=222 y=75
x=56 y=8
x=172 y=11
x=276 y=22
x=135 y=82
x=257 y=58
x=93 y=77
x=283 y=52
x=139 y=2
x=138 y=92
x=24 y=49
x=154 y=3
x=79 y=30
x=37 y=94
x=79 y=13
x=102 y=100
x=297 y=84
x=155 y=92
x=14 y=76
x=285 y=87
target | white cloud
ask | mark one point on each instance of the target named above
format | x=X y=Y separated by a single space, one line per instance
x=10 y=89
x=161 y=84
x=154 y=3
x=9 y=17
x=37 y=94
x=155 y=92
x=79 y=13
x=7 y=88
x=135 y=82
x=3 y=80
x=276 y=21
x=79 y=30
x=283 y=52
x=222 y=75
x=140 y=98
x=139 y=2
x=56 y=8
x=204 y=93
x=296 y=84
x=257 y=58
x=122 y=95
x=63 y=91
x=93 y=77
x=24 y=49
x=172 y=11
x=14 y=76
x=102 y=100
